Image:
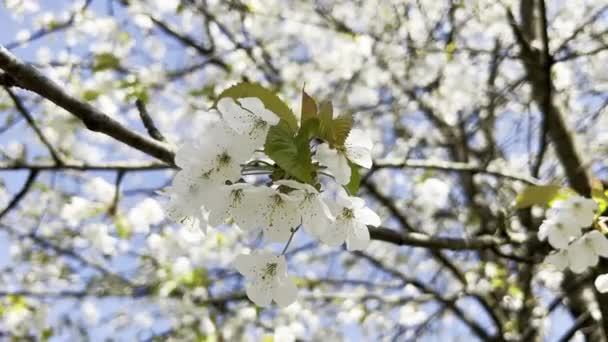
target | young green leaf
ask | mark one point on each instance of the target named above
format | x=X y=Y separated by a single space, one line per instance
x=355 y=179
x=341 y=127
x=309 y=108
x=291 y=153
x=271 y=101
x=333 y=130
x=540 y=195
x=104 y=61
x=599 y=196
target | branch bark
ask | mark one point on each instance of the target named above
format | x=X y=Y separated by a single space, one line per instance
x=31 y=79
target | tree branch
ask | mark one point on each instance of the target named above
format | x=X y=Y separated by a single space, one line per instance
x=31 y=79
x=148 y=122
x=454 y=166
x=30 y=120
x=433 y=242
x=19 y=196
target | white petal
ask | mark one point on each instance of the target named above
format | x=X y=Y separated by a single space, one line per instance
x=599 y=242
x=256 y=106
x=601 y=283
x=359 y=138
x=286 y=293
x=360 y=156
x=237 y=118
x=581 y=257
x=245 y=265
x=558 y=239
x=358 y=238
x=334 y=234
x=559 y=260
x=543 y=230
x=367 y=216
x=336 y=163
x=259 y=294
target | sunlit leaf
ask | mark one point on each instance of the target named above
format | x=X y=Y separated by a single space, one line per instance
x=271 y=101
x=539 y=195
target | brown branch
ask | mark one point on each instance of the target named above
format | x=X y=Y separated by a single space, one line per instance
x=113 y=166
x=433 y=242
x=19 y=196
x=30 y=120
x=148 y=122
x=456 y=167
x=31 y=79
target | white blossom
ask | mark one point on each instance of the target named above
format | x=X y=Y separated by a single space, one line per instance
x=581 y=209
x=267 y=278
x=97 y=234
x=315 y=214
x=357 y=148
x=147 y=212
x=601 y=283
x=559 y=229
x=248 y=117
x=585 y=252
x=352 y=219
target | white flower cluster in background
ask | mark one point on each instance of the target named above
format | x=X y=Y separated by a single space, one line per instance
x=210 y=190
x=564 y=229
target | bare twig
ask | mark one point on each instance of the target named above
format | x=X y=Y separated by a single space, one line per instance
x=148 y=122
x=30 y=120
x=31 y=79
x=19 y=196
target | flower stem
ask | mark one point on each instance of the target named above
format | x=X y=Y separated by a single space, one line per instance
x=293 y=232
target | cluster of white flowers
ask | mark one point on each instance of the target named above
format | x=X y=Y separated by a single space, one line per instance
x=563 y=228
x=210 y=190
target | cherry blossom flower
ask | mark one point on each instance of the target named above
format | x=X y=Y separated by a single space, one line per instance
x=357 y=149
x=248 y=117
x=581 y=209
x=559 y=229
x=315 y=214
x=585 y=252
x=352 y=219
x=216 y=156
x=601 y=283
x=267 y=278
x=144 y=214
x=186 y=200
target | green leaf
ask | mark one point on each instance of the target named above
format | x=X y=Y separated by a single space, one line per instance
x=599 y=196
x=271 y=101
x=90 y=95
x=333 y=130
x=291 y=153
x=355 y=179
x=123 y=227
x=104 y=61
x=309 y=108
x=341 y=127
x=46 y=334
x=540 y=195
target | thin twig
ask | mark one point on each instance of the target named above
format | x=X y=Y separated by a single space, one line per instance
x=30 y=120
x=148 y=122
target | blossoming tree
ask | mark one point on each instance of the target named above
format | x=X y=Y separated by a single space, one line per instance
x=304 y=170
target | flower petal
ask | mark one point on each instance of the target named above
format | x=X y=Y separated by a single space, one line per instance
x=335 y=162
x=358 y=238
x=286 y=293
x=601 y=283
x=258 y=293
x=367 y=216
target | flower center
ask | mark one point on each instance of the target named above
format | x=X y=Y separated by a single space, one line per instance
x=270 y=271
x=223 y=159
x=348 y=213
x=237 y=196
